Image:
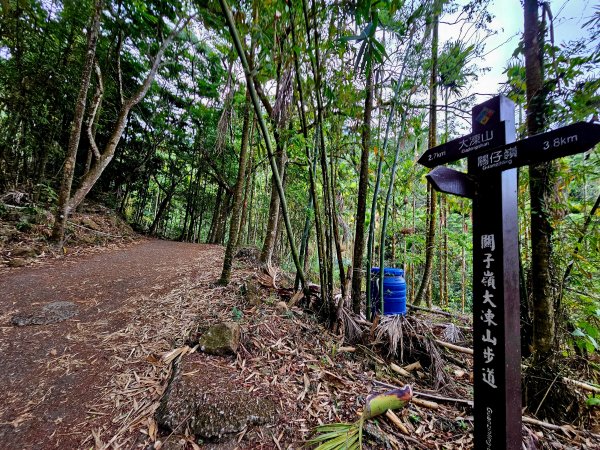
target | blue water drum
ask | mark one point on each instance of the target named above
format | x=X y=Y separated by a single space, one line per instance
x=394 y=291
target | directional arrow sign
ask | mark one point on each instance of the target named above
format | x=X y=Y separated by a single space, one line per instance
x=565 y=141
x=452 y=181
x=462 y=147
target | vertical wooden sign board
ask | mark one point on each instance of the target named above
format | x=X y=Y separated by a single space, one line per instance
x=496 y=326
x=493 y=156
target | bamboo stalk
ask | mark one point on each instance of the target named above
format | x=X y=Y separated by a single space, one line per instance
x=425 y=403
x=456 y=348
x=399 y=370
x=396 y=421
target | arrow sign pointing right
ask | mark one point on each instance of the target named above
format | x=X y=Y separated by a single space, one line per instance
x=565 y=141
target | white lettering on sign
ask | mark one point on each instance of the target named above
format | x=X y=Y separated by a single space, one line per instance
x=488 y=241
x=489 y=378
x=510 y=152
x=487 y=298
x=488 y=318
x=497 y=159
x=487 y=337
x=476 y=141
x=489 y=279
x=488 y=354
x=560 y=141
x=488 y=438
x=488 y=260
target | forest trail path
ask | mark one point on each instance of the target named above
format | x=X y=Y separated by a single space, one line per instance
x=54 y=377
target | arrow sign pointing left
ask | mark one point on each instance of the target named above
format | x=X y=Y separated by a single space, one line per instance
x=451 y=181
x=463 y=147
x=565 y=141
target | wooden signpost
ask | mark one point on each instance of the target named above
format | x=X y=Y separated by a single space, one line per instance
x=491 y=182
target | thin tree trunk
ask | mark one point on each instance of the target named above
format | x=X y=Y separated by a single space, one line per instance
x=212 y=232
x=265 y=133
x=381 y=155
x=432 y=195
x=222 y=221
x=388 y=198
x=541 y=178
x=361 y=207
x=271 y=235
x=244 y=206
x=335 y=225
x=251 y=219
x=237 y=197
x=311 y=169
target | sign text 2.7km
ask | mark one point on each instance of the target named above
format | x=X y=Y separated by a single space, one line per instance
x=542 y=147
x=463 y=147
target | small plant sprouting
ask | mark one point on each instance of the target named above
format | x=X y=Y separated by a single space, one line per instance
x=237 y=314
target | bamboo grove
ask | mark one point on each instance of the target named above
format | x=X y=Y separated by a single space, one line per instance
x=292 y=126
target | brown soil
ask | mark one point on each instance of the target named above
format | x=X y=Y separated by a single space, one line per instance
x=55 y=376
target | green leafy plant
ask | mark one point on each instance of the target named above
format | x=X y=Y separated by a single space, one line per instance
x=23 y=226
x=592 y=401
x=587 y=333
x=237 y=314
x=348 y=436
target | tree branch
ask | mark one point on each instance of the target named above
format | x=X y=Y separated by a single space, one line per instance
x=94 y=110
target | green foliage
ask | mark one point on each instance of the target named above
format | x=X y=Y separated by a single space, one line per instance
x=337 y=436
x=592 y=401
x=237 y=314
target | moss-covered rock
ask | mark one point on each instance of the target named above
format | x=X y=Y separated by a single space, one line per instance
x=221 y=339
x=212 y=402
x=252 y=293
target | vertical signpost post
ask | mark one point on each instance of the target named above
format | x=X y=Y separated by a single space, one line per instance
x=491 y=182
x=496 y=311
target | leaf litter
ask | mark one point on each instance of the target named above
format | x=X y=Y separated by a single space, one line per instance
x=318 y=377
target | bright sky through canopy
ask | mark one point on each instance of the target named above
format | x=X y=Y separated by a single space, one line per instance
x=569 y=17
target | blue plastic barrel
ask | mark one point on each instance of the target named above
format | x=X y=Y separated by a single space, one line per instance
x=394 y=291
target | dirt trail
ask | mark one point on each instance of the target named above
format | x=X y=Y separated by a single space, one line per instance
x=51 y=377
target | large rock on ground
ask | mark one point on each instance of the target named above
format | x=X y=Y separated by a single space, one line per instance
x=211 y=399
x=24 y=252
x=221 y=339
x=50 y=313
x=17 y=262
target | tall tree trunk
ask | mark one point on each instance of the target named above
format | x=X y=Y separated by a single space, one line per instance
x=251 y=219
x=160 y=213
x=237 y=197
x=244 y=206
x=541 y=178
x=361 y=207
x=432 y=195
x=62 y=211
x=271 y=235
x=222 y=221
x=326 y=222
